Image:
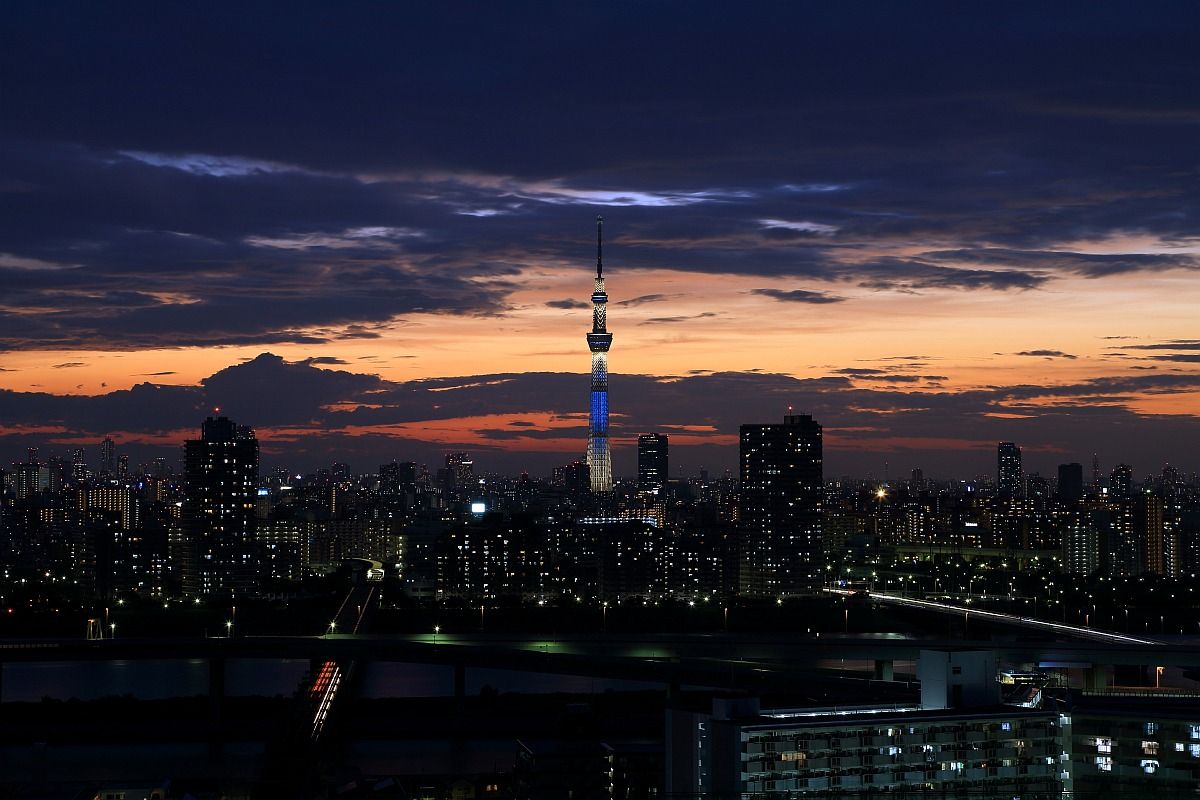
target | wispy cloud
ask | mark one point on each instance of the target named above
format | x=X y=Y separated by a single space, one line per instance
x=803 y=226
x=646 y=298
x=215 y=166
x=379 y=237
x=798 y=296
x=567 y=303
x=1174 y=344
x=1046 y=354
x=677 y=319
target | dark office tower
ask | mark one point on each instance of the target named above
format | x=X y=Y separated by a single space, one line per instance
x=108 y=460
x=1120 y=482
x=652 y=463
x=462 y=469
x=1037 y=487
x=1169 y=482
x=123 y=467
x=599 y=458
x=918 y=480
x=220 y=488
x=1070 y=483
x=458 y=478
x=1009 y=479
x=389 y=479
x=31 y=455
x=576 y=479
x=781 y=508
x=1096 y=480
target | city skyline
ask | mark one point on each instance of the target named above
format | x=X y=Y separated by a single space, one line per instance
x=932 y=232
x=890 y=486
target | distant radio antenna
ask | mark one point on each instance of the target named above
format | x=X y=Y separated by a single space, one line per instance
x=599 y=249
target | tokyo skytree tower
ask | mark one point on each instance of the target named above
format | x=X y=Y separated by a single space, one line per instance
x=599 y=340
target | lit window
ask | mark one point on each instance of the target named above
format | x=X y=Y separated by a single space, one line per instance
x=1149 y=766
x=1150 y=748
x=1104 y=763
x=1151 y=728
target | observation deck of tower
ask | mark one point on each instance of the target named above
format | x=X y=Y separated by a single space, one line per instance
x=599 y=458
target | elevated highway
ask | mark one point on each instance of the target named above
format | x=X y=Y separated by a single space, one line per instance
x=704 y=659
x=1014 y=620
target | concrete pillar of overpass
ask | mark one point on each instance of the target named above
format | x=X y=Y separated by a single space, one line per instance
x=1095 y=678
x=216 y=689
x=460 y=686
x=673 y=686
x=216 y=700
x=884 y=669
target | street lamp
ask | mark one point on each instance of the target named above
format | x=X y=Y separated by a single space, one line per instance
x=228 y=629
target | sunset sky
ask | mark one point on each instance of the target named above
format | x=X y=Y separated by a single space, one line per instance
x=366 y=229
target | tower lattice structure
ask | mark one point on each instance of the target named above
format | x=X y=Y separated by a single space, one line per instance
x=599 y=458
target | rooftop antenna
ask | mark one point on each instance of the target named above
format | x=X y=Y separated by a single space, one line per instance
x=599 y=261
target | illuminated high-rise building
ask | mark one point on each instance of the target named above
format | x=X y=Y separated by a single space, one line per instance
x=1009 y=480
x=220 y=493
x=781 y=509
x=108 y=460
x=460 y=474
x=652 y=463
x=599 y=458
x=79 y=470
x=1120 y=483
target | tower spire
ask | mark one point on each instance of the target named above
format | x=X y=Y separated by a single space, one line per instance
x=599 y=249
x=599 y=341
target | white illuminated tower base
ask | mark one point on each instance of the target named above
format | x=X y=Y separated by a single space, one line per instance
x=599 y=341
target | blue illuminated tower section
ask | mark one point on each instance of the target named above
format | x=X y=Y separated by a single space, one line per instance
x=599 y=340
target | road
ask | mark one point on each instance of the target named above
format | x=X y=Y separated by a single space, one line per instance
x=350 y=619
x=1060 y=629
